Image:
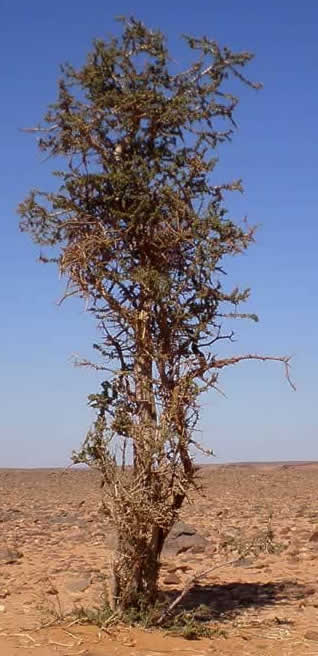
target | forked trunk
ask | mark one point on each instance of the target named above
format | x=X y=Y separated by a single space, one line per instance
x=146 y=512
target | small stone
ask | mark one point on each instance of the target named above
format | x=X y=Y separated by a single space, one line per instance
x=314 y=537
x=2 y=608
x=184 y=568
x=311 y=635
x=4 y=593
x=9 y=556
x=52 y=590
x=244 y=562
x=78 y=584
x=172 y=579
x=285 y=530
x=198 y=549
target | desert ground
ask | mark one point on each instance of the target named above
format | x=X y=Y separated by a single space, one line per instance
x=255 y=527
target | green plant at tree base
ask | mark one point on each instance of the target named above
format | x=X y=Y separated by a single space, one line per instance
x=188 y=624
x=140 y=232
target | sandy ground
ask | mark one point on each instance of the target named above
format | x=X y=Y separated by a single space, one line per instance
x=55 y=551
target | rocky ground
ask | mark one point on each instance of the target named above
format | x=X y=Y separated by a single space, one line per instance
x=55 y=550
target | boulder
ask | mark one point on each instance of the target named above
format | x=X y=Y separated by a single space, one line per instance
x=181 y=538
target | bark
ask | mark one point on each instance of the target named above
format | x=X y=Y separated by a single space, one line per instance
x=135 y=572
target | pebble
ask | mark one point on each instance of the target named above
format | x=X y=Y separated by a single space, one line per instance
x=311 y=635
x=171 y=579
x=4 y=593
x=78 y=584
x=8 y=556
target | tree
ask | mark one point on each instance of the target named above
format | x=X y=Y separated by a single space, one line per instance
x=139 y=231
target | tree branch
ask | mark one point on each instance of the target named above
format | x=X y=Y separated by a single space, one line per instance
x=220 y=364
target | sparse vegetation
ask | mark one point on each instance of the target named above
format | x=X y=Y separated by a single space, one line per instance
x=189 y=624
x=193 y=623
x=263 y=541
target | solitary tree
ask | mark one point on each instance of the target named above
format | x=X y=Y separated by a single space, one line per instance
x=140 y=232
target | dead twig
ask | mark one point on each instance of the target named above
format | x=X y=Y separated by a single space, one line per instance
x=23 y=635
x=285 y=360
x=191 y=582
x=72 y=635
x=110 y=620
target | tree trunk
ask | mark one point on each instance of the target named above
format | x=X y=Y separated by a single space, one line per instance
x=135 y=572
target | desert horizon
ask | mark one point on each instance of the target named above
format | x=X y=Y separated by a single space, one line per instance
x=255 y=526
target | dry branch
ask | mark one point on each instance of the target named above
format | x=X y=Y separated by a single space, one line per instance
x=220 y=364
x=191 y=583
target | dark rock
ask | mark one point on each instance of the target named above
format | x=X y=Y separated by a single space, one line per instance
x=181 y=528
x=285 y=531
x=171 y=579
x=78 y=584
x=181 y=538
x=4 y=592
x=178 y=568
x=110 y=539
x=197 y=549
x=245 y=562
x=314 y=537
x=52 y=590
x=68 y=519
x=9 y=556
x=9 y=515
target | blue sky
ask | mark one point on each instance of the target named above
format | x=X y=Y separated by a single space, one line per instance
x=44 y=412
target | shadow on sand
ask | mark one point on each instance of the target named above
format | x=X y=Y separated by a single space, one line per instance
x=225 y=602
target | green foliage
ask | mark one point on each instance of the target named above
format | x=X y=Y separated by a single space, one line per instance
x=136 y=211
x=137 y=224
x=189 y=624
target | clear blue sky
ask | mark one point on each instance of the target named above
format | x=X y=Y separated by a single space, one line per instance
x=43 y=397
